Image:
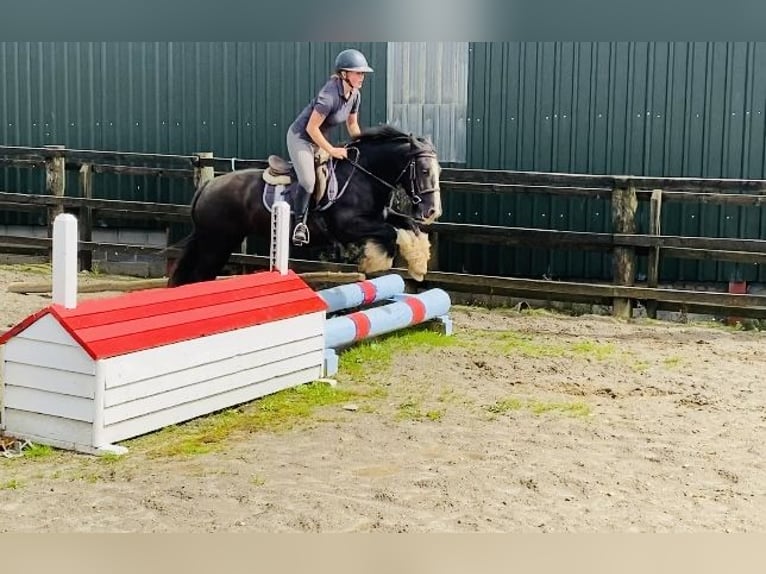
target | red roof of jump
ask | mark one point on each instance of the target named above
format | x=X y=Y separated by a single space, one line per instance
x=155 y=317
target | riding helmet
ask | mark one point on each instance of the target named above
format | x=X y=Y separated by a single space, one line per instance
x=352 y=61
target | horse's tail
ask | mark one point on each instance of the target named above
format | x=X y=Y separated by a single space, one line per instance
x=200 y=188
x=184 y=269
x=181 y=243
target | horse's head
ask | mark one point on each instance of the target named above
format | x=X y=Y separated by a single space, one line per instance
x=423 y=186
x=403 y=161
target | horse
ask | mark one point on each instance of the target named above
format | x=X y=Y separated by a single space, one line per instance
x=381 y=161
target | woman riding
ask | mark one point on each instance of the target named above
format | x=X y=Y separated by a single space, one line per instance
x=337 y=102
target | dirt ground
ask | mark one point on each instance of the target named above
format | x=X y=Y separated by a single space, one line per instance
x=527 y=422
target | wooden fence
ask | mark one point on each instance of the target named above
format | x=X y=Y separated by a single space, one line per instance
x=625 y=245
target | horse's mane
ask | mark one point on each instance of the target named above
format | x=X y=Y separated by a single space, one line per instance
x=388 y=133
x=382 y=132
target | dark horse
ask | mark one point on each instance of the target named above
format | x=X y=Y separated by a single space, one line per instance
x=230 y=207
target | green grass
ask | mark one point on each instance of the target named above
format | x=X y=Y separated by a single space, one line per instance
x=671 y=362
x=513 y=342
x=38 y=451
x=36 y=268
x=367 y=358
x=599 y=351
x=279 y=411
x=573 y=409
x=411 y=410
x=640 y=366
x=12 y=484
x=505 y=405
x=256 y=480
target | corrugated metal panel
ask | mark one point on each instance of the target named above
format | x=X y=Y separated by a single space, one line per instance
x=660 y=108
x=428 y=93
x=234 y=99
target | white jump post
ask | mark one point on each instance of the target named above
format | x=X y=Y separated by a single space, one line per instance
x=65 y=260
x=279 y=254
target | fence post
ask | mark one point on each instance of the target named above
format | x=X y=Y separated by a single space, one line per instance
x=86 y=216
x=624 y=204
x=653 y=264
x=55 y=184
x=203 y=173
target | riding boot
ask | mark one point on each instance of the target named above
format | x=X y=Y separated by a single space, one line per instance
x=301 y=231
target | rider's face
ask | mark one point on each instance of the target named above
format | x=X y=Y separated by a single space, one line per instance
x=356 y=79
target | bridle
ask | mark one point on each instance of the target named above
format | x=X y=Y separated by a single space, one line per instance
x=413 y=192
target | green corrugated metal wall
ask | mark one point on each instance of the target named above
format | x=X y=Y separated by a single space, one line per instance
x=660 y=108
x=235 y=99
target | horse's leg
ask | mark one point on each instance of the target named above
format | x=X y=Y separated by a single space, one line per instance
x=382 y=240
x=413 y=244
x=416 y=250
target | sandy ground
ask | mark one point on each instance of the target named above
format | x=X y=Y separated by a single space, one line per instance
x=527 y=423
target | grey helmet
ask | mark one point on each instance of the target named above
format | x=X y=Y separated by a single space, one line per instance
x=352 y=61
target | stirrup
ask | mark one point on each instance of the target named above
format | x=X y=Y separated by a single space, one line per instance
x=301 y=234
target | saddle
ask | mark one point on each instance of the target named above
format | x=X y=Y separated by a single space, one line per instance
x=281 y=172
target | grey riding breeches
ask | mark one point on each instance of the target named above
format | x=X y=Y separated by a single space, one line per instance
x=302 y=155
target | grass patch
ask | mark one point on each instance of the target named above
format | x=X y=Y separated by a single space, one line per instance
x=12 y=484
x=38 y=451
x=599 y=351
x=374 y=355
x=512 y=342
x=256 y=480
x=36 y=268
x=671 y=362
x=505 y=405
x=573 y=409
x=275 y=412
x=411 y=411
x=110 y=457
x=640 y=366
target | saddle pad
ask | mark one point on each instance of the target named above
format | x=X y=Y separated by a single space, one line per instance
x=273 y=193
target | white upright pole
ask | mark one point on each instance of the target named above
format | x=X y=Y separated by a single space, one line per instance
x=65 y=260
x=280 y=237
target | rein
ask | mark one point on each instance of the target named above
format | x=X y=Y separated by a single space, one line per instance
x=414 y=195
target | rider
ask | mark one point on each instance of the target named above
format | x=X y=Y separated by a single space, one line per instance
x=337 y=102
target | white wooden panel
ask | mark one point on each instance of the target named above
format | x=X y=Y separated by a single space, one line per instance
x=183 y=412
x=186 y=354
x=50 y=355
x=209 y=371
x=47 y=328
x=45 y=429
x=52 y=380
x=201 y=390
x=46 y=403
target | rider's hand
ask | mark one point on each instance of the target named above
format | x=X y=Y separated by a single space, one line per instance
x=339 y=152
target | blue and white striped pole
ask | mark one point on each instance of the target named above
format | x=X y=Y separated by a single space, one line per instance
x=405 y=311
x=362 y=292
